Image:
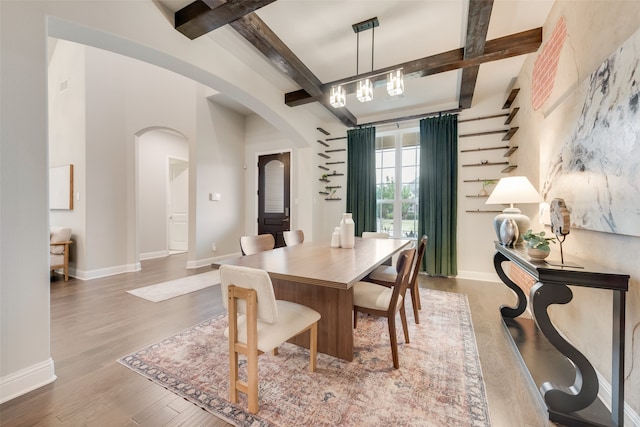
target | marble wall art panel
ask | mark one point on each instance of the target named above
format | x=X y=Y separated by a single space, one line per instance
x=590 y=148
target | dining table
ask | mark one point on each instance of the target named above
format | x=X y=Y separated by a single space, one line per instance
x=322 y=277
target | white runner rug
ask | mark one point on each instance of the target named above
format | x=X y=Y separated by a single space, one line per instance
x=174 y=288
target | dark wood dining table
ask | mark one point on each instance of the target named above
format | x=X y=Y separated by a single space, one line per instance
x=321 y=277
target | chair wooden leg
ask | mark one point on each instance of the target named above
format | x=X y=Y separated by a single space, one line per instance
x=417 y=292
x=415 y=302
x=394 y=342
x=313 y=346
x=355 y=317
x=233 y=374
x=403 y=319
x=252 y=381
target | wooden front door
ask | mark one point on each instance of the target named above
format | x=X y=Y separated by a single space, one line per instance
x=274 y=183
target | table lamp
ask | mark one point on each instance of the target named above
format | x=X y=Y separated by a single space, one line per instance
x=511 y=190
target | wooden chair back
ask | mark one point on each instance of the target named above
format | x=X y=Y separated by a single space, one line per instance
x=254 y=244
x=403 y=269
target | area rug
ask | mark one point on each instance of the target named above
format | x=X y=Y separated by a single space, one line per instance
x=439 y=382
x=174 y=288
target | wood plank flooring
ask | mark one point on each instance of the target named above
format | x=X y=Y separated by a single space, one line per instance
x=95 y=322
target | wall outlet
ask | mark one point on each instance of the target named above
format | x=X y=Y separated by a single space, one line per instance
x=214 y=247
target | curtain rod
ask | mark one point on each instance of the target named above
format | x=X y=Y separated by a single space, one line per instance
x=414 y=117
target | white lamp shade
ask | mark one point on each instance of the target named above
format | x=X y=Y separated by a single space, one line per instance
x=514 y=189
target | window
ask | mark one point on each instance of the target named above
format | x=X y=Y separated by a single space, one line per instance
x=397 y=172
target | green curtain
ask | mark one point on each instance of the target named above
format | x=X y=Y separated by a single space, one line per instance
x=361 y=178
x=438 y=193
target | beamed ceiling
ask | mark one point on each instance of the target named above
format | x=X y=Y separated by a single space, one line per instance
x=453 y=53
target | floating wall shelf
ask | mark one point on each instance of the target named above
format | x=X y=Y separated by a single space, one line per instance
x=511 y=98
x=323 y=155
x=333 y=163
x=481 y=180
x=510 y=134
x=508 y=168
x=502 y=147
x=324 y=143
x=486 y=164
x=323 y=131
x=512 y=115
x=510 y=151
x=479 y=211
x=323 y=168
x=336 y=150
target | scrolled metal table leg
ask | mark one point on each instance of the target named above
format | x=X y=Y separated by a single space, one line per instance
x=505 y=310
x=584 y=391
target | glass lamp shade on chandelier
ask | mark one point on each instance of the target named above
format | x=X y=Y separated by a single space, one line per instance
x=509 y=191
x=364 y=87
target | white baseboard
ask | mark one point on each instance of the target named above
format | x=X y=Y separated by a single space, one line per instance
x=152 y=255
x=104 y=272
x=631 y=418
x=26 y=380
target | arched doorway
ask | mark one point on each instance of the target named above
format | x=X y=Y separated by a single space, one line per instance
x=162 y=192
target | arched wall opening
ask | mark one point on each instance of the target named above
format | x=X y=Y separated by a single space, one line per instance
x=162 y=192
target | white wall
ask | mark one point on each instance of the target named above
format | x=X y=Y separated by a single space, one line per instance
x=595 y=29
x=217 y=166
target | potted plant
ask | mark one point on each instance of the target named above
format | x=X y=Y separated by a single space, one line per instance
x=485 y=184
x=537 y=244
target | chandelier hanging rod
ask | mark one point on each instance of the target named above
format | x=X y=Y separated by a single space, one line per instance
x=355 y=79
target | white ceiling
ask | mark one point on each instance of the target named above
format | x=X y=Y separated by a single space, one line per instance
x=319 y=32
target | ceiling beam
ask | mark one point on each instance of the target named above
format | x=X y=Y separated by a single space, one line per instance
x=477 y=29
x=252 y=28
x=202 y=16
x=501 y=48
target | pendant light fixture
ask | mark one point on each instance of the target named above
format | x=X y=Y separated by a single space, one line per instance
x=395 y=83
x=364 y=87
x=364 y=91
x=338 y=97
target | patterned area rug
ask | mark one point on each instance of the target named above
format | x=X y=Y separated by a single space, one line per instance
x=174 y=288
x=439 y=382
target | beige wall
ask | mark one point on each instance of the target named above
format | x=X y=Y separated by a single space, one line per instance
x=595 y=29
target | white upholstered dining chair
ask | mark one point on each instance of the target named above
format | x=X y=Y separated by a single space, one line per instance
x=379 y=300
x=258 y=323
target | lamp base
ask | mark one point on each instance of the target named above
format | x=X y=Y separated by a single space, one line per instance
x=523 y=222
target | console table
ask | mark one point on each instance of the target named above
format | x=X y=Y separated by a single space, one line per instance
x=571 y=404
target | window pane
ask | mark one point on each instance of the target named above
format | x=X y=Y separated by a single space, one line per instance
x=385 y=217
x=409 y=174
x=397 y=159
x=410 y=138
x=388 y=158
x=410 y=220
x=386 y=190
x=409 y=156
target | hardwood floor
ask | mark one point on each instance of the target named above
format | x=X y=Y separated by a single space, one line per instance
x=95 y=322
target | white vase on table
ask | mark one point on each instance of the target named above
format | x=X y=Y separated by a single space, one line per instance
x=347 y=231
